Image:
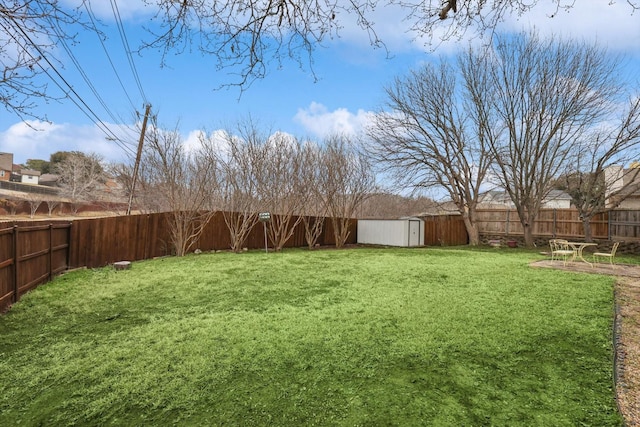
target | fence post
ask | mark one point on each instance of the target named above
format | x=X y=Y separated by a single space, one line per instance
x=70 y=236
x=555 y=223
x=50 y=252
x=507 y=224
x=15 y=264
x=609 y=225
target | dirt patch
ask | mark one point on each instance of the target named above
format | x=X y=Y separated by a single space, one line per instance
x=618 y=270
x=627 y=339
x=628 y=349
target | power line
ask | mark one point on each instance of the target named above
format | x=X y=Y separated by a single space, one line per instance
x=56 y=28
x=79 y=102
x=87 y=6
x=125 y=43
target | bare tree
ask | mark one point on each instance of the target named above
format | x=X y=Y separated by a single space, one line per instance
x=313 y=227
x=79 y=176
x=314 y=211
x=282 y=186
x=432 y=136
x=240 y=155
x=346 y=179
x=147 y=197
x=547 y=94
x=12 y=205
x=29 y=31
x=34 y=200
x=252 y=36
x=596 y=178
x=185 y=182
x=246 y=37
x=51 y=205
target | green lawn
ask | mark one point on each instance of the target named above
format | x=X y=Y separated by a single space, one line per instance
x=359 y=337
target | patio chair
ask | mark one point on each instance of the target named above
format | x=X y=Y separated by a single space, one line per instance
x=611 y=255
x=560 y=249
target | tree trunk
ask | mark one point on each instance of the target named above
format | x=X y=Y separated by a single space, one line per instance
x=340 y=230
x=472 y=231
x=528 y=235
x=312 y=229
x=586 y=224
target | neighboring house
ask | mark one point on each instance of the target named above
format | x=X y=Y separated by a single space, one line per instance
x=15 y=173
x=496 y=199
x=29 y=176
x=6 y=166
x=48 y=179
x=623 y=183
x=557 y=199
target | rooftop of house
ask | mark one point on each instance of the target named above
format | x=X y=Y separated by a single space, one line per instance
x=6 y=161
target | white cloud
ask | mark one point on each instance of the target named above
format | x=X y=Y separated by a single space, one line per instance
x=193 y=140
x=104 y=9
x=319 y=121
x=611 y=24
x=38 y=140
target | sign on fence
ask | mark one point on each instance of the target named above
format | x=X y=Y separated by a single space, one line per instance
x=265 y=217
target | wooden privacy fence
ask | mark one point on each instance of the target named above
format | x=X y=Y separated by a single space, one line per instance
x=549 y=223
x=29 y=256
x=612 y=225
x=624 y=225
x=32 y=252
x=445 y=230
x=101 y=241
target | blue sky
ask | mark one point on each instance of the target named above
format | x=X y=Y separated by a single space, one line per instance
x=351 y=75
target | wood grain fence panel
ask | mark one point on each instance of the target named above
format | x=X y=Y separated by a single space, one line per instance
x=445 y=230
x=492 y=221
x=101 y=241
x=545 y=223
x=6 y=287
x=568 y=224
x=430 y=232
x=327 y=238
x=89 y=242
x=7 y=266
x=625 y=224
x=549 y=223
x=31 y=255
x=221 y=237
x=600 y=226
x=215 y=235
x=143 y=229
x=160 y=241
x=298 y=238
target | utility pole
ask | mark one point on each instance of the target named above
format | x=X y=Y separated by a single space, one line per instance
x=138 y=155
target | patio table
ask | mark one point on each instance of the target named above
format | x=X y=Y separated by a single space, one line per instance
x=578 y=247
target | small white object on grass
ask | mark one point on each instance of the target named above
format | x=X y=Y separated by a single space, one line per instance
x=122 y=265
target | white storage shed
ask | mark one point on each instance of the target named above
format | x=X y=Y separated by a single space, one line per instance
x=403 y=232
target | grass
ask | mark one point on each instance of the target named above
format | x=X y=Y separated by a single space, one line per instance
x=363 y=337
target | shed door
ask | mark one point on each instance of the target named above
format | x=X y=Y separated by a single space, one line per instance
x=414 y=233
